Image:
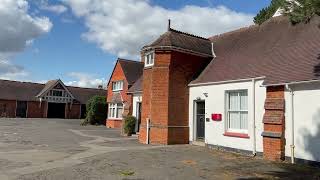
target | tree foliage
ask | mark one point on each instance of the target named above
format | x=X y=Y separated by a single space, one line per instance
x=129 y=124
x=267 y=12
x=301 y=10
x=96 y=111
x=297 y=10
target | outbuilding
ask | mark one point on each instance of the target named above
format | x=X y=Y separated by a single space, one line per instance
x=50 y=100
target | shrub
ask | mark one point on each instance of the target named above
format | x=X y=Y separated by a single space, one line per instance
x=129 y=124
x=96 y=111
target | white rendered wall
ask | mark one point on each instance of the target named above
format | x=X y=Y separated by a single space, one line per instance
x=306 y=121
x=136 y=98
x=215 y=103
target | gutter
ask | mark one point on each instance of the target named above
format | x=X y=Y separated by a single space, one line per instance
x=177 y=49
x=291 y=83
x=134 y=92
x=223 y=82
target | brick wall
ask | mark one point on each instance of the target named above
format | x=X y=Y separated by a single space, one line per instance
x=73 y=111
x=166 y=96
x=274 y=124
x=34 y=109
x=8 y=108
x=113 y=123
x=118 y=75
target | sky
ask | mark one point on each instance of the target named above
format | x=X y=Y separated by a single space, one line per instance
x=79 y=41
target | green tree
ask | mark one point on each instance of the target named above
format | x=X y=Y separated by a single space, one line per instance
x=268 y=12
x=96 y=111
x=301 y=10
x=129 y=124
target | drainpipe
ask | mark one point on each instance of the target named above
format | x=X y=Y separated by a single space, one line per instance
x=148 y=129
x=292 y=146
x=254 y=149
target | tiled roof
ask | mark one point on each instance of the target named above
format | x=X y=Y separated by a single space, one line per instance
x=184 y=41
x=48 y=86
x=132 y=69
x=116 y=98
x=277 y=50
x=136 y=87
x=27 y=91
x=84 y=94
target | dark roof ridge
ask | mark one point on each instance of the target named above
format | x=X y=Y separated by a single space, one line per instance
x=22 y=81
x=129 y=60
x=188 y=34
x=45 y=83
x=85 y=87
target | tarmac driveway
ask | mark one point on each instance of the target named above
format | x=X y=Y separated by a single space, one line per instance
x=62 y=149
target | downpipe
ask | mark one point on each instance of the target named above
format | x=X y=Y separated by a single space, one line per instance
x=292 y=146
x=148 y=131
x=254 y=150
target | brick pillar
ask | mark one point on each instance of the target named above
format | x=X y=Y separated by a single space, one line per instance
x=274 y=124
x=166 y=97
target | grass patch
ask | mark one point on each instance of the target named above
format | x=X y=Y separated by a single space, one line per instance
x=127 y=173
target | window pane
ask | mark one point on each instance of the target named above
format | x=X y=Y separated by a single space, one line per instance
x=121 y=84
x=234 y=121
x=244 y=120
x=244 y=100
x=234 y=101
x=119 y=113
x=147 y=59
x=152 y=58
x=113 y=112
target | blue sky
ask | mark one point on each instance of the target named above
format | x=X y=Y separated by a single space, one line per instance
x=81 y=48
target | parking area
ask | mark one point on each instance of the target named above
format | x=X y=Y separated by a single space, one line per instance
x=62 y=149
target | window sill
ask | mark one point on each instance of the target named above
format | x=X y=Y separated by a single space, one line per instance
x=114 y=119
x=117 y=90
x=238 y=135
x=148 y=67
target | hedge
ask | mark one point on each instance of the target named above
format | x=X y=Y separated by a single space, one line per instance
x=96 y=111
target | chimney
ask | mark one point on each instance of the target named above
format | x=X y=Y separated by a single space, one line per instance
x=169 y=24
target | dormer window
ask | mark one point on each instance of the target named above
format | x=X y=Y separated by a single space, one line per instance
x=117 y=86
x=149 y=59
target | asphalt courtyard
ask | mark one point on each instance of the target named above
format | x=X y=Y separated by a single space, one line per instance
x=62 y=149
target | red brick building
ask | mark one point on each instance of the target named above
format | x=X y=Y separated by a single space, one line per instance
x=124 y=75
x=50 y=100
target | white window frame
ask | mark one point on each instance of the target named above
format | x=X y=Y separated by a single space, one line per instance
x=228 y=110
x=114 y=85
x=114 y=107
x=149 y=59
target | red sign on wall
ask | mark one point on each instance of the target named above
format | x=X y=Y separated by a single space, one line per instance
x=216 y=117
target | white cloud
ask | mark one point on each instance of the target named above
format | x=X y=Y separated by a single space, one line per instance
x=18 y=29
x=122 y=27
x=58 y=8
x=85 y=80
x=11 y=71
